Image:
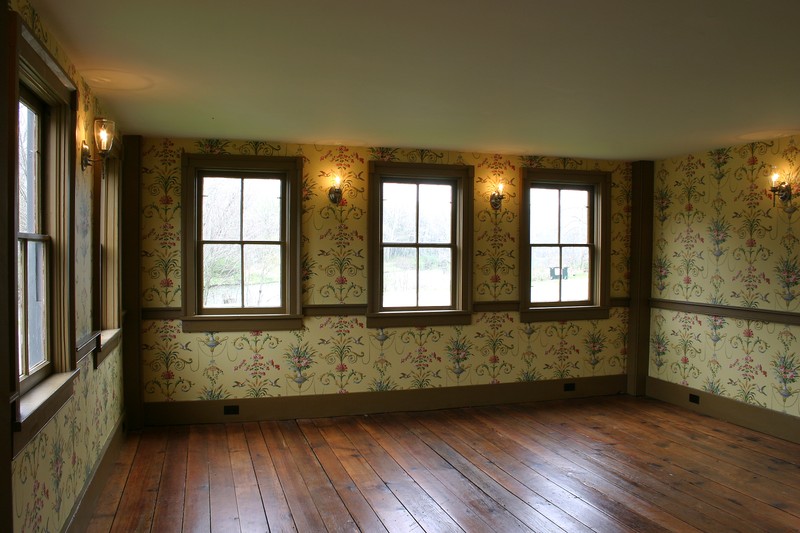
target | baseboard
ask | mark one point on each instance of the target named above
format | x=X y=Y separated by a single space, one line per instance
x=357 y=403
x=84 y=506
x=750 y=416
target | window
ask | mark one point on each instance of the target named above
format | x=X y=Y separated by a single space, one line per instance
x=241 y=242
x=32 y=245
x=565 y=239
x=421 y=237
x=44 y=285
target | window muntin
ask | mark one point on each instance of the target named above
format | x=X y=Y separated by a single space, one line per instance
x=565 y=245
x=242 y=232
x=32 y=245
x=421 y=237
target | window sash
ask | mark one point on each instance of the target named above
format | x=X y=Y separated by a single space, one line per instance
x=417 y=243
x=569 y=298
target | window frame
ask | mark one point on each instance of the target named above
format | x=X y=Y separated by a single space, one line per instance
x=460 y=311
x=598 y=183
x=30 y=377
x=290 y=171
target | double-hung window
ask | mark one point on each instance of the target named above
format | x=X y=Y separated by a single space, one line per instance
x=242 y=243
x=420 y=238
x=33 y=244
x=565 y=245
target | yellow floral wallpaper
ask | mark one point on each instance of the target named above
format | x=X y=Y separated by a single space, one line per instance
x=339 y=354
x=721 y=239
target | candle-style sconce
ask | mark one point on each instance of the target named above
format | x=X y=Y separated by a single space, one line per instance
x=335 y=192
x=783 y=190
x=497 y=197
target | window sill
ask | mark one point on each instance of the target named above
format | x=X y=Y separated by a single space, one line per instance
x=40 y=404
x=560 y=314
x=405 y=319
x=109 y=340
x=202 y=324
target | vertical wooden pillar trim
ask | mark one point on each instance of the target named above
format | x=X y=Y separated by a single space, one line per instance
x=130 y=250
x=643 y=176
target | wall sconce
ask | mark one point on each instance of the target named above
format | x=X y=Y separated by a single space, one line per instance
x=780 y=190
x=335 y=192
x=86 y=155
x=497 y=197
x=104 y=130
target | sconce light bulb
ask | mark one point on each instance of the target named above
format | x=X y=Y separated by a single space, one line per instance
x=337 y=181
x=775 y=178
x=500 y=187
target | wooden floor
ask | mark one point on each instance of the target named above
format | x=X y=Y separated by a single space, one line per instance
x=611 y=464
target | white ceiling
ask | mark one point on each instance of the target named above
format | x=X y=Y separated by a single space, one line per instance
x=612 y=79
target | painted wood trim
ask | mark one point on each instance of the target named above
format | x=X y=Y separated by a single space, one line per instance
x=87 y=346
x=750 y=416
x=109 y=340
x=361 y=403
x=641 y=283
x=335 y=310
x=729 y=311
x=130 y=244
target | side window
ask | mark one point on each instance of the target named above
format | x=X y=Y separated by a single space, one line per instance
x=241 y=243
x=33 y=244
x=420 y=239
x=565 y=245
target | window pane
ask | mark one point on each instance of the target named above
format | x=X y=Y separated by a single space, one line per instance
x=399 y=277
x=545 y=274
x=262 y=275
x=544 y=216
x=37 y=305
x=262 y=210
x=435 y=213
x=222 y=275
x=222 y=206
x=399 y=214
x=574 y=217
x=28 y=170
x=435 y=277
x=21 y=337
x=575 y=274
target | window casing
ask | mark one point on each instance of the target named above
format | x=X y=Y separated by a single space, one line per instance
x=44 y=224
x=241 y=231
x=421 y=244
x=565 y=245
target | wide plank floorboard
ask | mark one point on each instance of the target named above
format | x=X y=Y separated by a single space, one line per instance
x=609 y=464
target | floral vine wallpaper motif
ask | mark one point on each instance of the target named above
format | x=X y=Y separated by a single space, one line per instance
x=719 y=240
x=339 y=354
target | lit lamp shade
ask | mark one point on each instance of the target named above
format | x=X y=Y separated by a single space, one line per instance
x=104 y=131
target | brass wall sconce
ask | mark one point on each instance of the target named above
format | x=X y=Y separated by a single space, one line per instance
x=104 y=131
x=335 y=192
x=780 y=190
x=497 y=197
x=86 y=155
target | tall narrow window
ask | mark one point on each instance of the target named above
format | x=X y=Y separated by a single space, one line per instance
x=32 y=246
x=566 y=247
x=421 y=240
x=242 y=243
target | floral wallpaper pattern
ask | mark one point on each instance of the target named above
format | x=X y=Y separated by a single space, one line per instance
x=719 y=240
x=339 y=354
x=52 y=470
